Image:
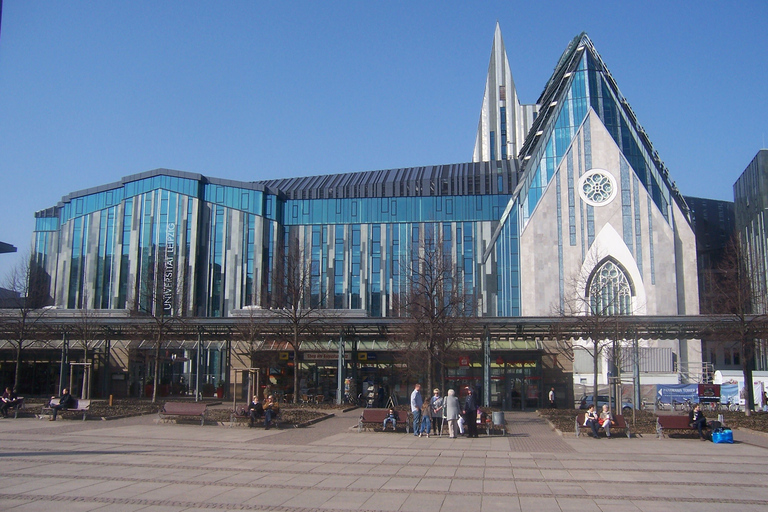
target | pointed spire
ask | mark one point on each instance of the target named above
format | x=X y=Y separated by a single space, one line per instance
x=503 y=121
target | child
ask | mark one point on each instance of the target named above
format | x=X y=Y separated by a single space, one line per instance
x=426 y=422
x=391 y=418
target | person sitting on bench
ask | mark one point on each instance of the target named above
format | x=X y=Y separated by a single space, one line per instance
x=255 y=411
x=606 y=420
x=591 y=420
x=9 y=400
x=698 y=421
x=271 y=410
x=391 y=418
x=65 y=402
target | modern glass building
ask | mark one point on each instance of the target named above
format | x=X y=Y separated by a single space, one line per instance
x=750 y=194
x=566 y=203
x=219 y=239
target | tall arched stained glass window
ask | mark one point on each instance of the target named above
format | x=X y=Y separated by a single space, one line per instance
x=610 y=292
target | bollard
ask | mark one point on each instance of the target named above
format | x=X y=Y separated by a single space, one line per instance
x=110 y=400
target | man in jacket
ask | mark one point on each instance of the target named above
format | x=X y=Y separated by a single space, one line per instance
x=65 y=402
x=470 y=413
x=698 y=421
x=416 y=403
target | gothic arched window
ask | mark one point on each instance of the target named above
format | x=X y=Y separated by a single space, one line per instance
x=609 y=289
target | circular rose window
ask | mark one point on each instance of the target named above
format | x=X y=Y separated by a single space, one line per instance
x=597 y=187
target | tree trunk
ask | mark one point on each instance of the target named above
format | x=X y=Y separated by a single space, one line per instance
x=430 y=369
x=295 y=365
x=86 y=383
x=157 y=370
x=17 y=377
x=443 y=381
x=595 y=369
x=749 y=395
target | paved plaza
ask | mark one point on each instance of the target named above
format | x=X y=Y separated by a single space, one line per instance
x=136 y=464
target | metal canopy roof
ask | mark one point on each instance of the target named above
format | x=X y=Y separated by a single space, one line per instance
x=70 y=323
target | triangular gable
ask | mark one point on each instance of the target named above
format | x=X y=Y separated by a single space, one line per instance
x=580 y=81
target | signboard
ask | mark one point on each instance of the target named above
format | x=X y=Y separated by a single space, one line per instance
x=169 y=282
x=709 y=393
x=679 y=393
x=464 y=361
x=324 y=356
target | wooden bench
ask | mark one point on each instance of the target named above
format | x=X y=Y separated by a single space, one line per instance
x=674 y=422
x=619 y=425
x=80 y=406
x=181 y=409
x=373 y=418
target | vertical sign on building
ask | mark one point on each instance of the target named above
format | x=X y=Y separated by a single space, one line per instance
x=169 y=283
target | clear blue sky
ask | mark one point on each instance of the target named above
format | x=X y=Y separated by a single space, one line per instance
x=92 y=91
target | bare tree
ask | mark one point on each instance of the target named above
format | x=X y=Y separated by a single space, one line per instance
x=86 y=330
x=162 y=298
x=598 y=296
x=28 y=282
x=294 y=316
x=252 y=327
x=437 y=309
x=736 y=294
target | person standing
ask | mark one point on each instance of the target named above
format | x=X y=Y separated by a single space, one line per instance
x=552 y=403
x=426 y=419
x=381 y=397
x=436 y=411
x=452 y=409
x=416 y=403
x=470 y=414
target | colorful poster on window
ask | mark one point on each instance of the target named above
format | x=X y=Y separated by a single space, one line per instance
x=709 y=393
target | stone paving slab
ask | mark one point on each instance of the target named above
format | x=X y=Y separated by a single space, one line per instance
x=136 y=464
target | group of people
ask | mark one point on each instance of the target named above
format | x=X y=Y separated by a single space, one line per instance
x=427 y=414
x=268 y=410
x=9 y=399
x=603 y=420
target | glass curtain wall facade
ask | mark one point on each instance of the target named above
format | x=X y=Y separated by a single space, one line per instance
x=751 y=213
x=216 y=243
